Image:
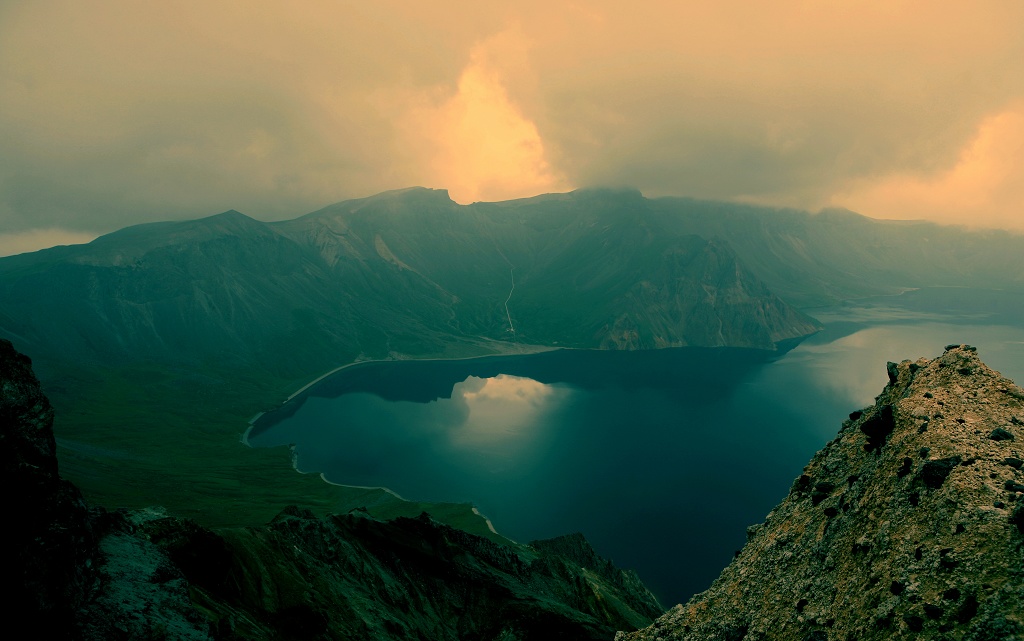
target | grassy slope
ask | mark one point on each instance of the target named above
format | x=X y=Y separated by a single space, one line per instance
x=126 y=442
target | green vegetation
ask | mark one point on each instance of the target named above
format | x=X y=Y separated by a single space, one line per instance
x=134 y=436
x=157 y=343
x=145 y=434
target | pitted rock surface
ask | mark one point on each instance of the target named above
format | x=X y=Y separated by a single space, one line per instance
x=909 y=524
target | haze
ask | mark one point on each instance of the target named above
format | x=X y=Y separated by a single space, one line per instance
x=125 y=112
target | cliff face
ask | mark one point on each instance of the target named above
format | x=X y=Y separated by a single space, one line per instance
x=50 y=545
x=92 y=575
x=910 y=524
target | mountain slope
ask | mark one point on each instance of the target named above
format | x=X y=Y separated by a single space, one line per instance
x=816 y=259
x=411 y=273
x=85 y=574
x=226 y=289
x=400 y=273
x=910 y=524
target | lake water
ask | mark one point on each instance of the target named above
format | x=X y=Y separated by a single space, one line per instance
x=662 y=459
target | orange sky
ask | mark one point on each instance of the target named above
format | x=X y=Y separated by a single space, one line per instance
x=122 y=112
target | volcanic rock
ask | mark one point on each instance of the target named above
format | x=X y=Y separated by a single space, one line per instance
x=909 y=524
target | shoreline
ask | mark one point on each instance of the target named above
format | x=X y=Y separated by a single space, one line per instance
x=524 y=350
x=521 y=350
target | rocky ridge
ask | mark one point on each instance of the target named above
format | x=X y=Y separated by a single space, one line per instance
x=84 y=574
x=909 y=524
x=50 y=542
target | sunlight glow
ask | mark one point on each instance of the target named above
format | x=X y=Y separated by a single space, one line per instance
x=480 y=145
x=984 y=188
x=504 y=408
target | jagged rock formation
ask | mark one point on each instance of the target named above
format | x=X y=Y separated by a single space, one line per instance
x=50 y=543
x=91 y=575
x=351 y=576
x=910 y=524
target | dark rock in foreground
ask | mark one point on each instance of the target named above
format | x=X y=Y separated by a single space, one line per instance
x=351 y=576
x=72 y=573
x=48 y=556
x=910 y=524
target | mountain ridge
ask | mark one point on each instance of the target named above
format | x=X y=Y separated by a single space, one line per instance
x=372 y=275
x=909 y=524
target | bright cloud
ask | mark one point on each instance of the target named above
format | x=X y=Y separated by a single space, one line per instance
x=504 y=409
x=506 y=388
x=123 y=112
x=985 y=187
x=477 y=143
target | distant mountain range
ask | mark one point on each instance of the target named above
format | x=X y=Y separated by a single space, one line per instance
x=410 y=273
x=399 y=274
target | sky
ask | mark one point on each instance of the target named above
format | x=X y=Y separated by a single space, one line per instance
x=118 y=112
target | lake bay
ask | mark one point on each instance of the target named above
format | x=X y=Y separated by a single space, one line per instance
x=661 y=459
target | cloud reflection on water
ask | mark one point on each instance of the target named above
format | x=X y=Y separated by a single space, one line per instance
x=504 y=410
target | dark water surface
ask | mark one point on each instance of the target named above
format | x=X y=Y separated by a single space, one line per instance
x=662 y=459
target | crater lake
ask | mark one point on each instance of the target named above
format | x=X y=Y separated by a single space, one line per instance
x=660 y=458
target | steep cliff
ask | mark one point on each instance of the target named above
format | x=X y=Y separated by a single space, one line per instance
x=910 y=524
x=140 y=574
x=50 y=546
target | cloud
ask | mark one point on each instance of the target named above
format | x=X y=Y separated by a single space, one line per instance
x=504 y=411
x=121 y=112
x=35 y=239
x=505 y=388
x=779 y=103
x=985 y=186
x=477 y=143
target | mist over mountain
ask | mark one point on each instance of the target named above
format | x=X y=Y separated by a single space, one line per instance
x=812 y=259
x=402 y=273
x=410 y=273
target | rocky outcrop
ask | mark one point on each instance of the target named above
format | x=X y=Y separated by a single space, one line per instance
x=910 y=524
x=352 y=577
x=46 y=566
x=97 y=575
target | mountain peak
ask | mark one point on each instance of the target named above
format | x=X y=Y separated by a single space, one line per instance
x=229 y=214
x=909 y=524
x=412 y=195
x=230 y=219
